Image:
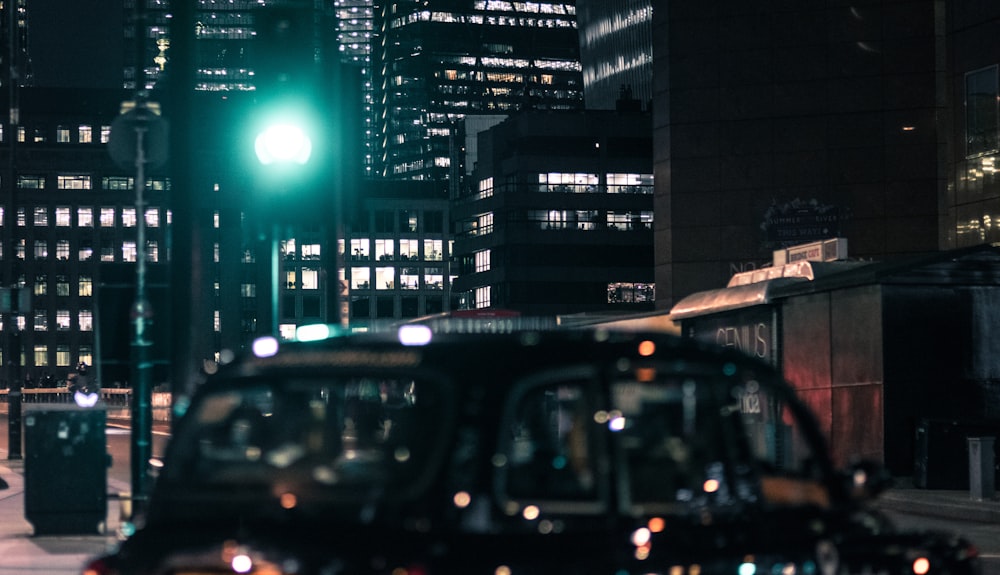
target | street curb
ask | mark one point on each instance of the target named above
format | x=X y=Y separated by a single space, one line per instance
x=944 y=504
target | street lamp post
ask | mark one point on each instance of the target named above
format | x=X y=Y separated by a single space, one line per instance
x=138 y=140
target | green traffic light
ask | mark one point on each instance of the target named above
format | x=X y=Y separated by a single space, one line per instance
x=283 y=143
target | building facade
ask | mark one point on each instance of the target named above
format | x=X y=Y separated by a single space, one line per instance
x=971 y=199
x=441 y=61
x=560 y=220
x=778 y=126
x=398 y=254
x=616 y=51
x=70 y=223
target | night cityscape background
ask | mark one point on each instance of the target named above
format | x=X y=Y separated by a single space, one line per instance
x=570 y=162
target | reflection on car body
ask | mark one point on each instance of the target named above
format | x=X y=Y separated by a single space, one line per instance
x=577 y=451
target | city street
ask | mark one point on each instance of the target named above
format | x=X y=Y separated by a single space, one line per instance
x=985 y=535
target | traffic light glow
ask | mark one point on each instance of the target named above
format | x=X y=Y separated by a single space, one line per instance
x=283 y=143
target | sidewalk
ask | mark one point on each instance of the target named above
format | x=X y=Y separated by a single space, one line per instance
x=23 y=553
x=947 y=504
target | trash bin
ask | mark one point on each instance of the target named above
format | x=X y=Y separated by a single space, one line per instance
x=65 y=469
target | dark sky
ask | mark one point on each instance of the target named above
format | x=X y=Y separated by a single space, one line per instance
x=76 y=43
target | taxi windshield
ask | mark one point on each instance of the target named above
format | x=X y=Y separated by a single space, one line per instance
x=341 y=432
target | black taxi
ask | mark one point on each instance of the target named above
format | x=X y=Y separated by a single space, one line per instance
x=583 y=451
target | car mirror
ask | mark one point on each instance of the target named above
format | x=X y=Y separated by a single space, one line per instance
x=867 y=479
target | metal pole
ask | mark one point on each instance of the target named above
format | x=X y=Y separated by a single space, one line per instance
x=14 y=397
x=10 y=325
x=275 y=279
x=142 y=431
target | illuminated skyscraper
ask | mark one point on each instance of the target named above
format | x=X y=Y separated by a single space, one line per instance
x=223 y=34
x=616 y=50
x=441 y=61
x=14 y=54
x=355 y=34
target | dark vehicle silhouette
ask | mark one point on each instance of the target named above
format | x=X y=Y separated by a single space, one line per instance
x=534 y=452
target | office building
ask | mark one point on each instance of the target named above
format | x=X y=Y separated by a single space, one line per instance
x=69 y=223
x=441 y=61
x=560 y=220
x=397 y=254
x=616 y=51
x=779 y=126
x=970 y=135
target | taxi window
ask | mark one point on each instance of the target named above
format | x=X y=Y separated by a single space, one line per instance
x=549 y=444
x=351 y=432
x=692 y=436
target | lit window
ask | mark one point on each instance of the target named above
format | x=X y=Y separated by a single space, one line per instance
x=107 y=251
x=107 y=217
x=41 y=216
x=361 y=278
x=117 y=183
x=62 y=286
x=152 y=251
x=152 y=218
x=62 y=135
x=432 y=250
x=41 y=285
x=433 y=278
x=105 y=134
x=482 y=261
x=86 y=287
x=21 y=218
x=86 y=134
x=482 y=297
x=310 y=278
x=62 y=250
x=129 y=251
x=73 y=182
x=41 y=355
x=128 y=217
x=41 y=320
x=215 y=252
x=384 y=250
x=85 y=217
x=86 y=355
x=63 y=217
x=63 y=357
x=290 y=279
x=62 y=319
x=630 y=183
x=409 y=249
x=385 y=278
x=31 y=182
x=248 y=290
x=628 y=292
x=359 y=249
x=216 y=320
x=86 y=319
x=310 y=251
x=41 y=250
x=86 y=253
